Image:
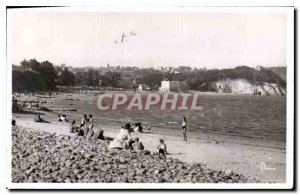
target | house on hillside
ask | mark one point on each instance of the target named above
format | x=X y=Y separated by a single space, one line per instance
x=167 y=86
x=143 y=87
x=258 y=67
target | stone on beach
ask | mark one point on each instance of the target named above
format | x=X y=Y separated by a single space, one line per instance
x=228 y=173
x=44 y=157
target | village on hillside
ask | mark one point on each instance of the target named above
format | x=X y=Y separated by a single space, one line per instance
x=240 y=80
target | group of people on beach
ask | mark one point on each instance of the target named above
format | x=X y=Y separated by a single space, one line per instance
x=86 y=125
x=123 y=139
x=17 y=106
x=20 y=106
x=86 y=128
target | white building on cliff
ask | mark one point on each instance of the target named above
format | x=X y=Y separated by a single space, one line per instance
x=143 y=87
x=167 y=86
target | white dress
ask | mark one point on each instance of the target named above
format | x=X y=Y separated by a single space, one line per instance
x=121 y=140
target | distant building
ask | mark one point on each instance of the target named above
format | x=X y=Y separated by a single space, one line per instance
x=167 y=86
x=100 y=82
x=143 y=87
x=258 y=67
x=175 y=71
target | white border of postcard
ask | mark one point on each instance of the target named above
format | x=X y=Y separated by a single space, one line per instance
x=290 y=103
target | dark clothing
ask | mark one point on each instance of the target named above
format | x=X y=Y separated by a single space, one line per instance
x=38 y=119
x=184 y=133
x=161 y=151
x=100 y=135
x=138 y=146
x=184 y=124
x=80 y=132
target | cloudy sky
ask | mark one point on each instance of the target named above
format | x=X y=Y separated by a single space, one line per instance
x=211 y=40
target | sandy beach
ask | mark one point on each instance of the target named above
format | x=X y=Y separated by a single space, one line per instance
x=253 y=158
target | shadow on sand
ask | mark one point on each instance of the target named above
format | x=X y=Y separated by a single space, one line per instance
x=170 y=154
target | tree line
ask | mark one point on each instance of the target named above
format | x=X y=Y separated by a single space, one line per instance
x=33 y=75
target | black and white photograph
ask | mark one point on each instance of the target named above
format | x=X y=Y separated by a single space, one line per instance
x=189 y=98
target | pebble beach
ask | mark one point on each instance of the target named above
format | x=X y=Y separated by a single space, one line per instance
x=50 y=158
x=207 y=157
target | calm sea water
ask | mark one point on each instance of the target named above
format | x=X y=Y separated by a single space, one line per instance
x=236 y=115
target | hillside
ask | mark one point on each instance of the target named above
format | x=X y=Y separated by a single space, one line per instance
x=45 y=76
x=25 y=80
x=202 y=80
x=280 y=71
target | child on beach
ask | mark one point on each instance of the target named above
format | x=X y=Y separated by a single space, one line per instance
x=162 y=148
x=184 y=124
x=91 y=122
x=81 y=130
x=89 y=126
x=83 y=120
x=73 y=127
x=137 y=145
x=98 y=133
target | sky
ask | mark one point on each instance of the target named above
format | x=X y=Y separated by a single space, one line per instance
x=202 y=40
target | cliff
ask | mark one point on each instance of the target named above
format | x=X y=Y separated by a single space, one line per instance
x=242 y=86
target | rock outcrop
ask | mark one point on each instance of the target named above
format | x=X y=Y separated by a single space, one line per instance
x=242 y=86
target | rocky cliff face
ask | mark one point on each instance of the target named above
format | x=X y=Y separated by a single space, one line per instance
x=242 y=86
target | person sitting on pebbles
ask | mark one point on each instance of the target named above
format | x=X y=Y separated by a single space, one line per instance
x=73 y=127
x=13 y=122
x=98 y=133
x=123 y=139
x=137 y=145
x=81 y=130
x=162 y=148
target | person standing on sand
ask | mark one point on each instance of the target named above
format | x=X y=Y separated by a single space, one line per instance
x=91 y=122
x=184 y=124
x=90 y=125
x=83 y=120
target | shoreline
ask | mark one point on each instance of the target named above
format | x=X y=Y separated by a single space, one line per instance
x=241 y=154
x=100 y=91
